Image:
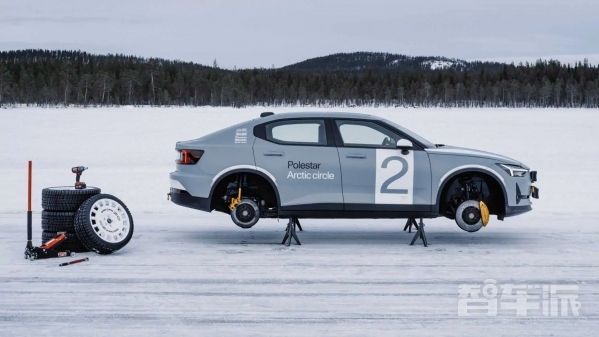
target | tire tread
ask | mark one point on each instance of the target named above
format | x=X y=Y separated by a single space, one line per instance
x=66 y=200
x=58 y=221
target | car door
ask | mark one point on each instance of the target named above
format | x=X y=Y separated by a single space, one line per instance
x=301 y=156
x=377 y=176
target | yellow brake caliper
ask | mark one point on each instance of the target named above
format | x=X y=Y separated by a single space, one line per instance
x=235 y=201
x=484 y=213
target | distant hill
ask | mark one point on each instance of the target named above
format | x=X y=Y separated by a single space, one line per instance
x=385 y=61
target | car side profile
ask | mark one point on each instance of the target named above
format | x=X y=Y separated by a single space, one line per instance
x=344 y=165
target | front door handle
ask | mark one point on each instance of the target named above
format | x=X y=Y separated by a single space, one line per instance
x=274 y=154
x=355 y=156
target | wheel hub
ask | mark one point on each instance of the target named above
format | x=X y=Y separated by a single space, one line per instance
x=245 y=212
x=471 y=215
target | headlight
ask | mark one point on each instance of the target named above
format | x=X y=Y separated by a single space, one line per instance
x=514 y=170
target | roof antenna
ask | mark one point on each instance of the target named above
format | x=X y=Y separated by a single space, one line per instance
x=266 y=114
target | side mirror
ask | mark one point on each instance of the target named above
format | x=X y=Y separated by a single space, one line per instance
x=404 y=145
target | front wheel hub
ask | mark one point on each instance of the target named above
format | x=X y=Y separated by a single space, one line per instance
x=471 y=215
x=468 y=216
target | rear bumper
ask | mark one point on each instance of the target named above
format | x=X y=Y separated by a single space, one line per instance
x=183 y=198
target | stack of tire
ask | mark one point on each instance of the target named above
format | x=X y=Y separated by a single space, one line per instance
x=91 y=221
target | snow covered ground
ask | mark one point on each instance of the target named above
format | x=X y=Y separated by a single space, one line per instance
x=187 y=273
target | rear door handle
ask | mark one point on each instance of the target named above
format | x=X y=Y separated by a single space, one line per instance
x=274 y=154
x=355 y=156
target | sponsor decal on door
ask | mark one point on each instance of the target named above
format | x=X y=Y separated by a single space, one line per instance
x=394 y=177
x=314 y=172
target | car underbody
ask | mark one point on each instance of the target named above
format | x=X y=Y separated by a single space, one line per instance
x=255 y=189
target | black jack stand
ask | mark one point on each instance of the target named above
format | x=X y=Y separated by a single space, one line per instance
x=290 y=232
x=411 y=222
x=298 y=224
x=420 y=234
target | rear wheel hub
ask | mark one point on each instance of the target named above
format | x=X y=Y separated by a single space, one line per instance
x=245 y=212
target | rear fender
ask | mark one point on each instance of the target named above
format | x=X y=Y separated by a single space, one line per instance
x=228 y=172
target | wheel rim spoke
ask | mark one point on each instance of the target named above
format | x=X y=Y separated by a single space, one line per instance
x=109 y=220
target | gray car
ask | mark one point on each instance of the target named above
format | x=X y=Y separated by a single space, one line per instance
x=344 y=165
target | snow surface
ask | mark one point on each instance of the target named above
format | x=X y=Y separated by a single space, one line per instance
x=188 y=273
x=436 y=64
x=441 y=64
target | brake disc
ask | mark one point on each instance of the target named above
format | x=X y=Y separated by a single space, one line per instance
x=468 y=216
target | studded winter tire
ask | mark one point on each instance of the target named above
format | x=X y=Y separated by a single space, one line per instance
x=58 y=221
x=104 y=224
x=66 y=198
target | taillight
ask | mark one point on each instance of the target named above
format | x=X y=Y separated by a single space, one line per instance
x=189 y=157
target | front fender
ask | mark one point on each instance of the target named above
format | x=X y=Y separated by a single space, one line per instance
x=469 y=168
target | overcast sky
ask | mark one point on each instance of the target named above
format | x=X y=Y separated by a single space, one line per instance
x=260 y=33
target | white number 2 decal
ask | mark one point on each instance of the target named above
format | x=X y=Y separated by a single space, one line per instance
x=394 y=177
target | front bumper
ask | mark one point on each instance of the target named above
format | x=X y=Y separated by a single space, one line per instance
x=516 y=210
x=533 y=192
x=183 y=198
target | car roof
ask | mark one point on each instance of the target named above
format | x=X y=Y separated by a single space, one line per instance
x=329 y=114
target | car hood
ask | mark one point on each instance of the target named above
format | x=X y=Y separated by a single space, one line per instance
x=462 y=151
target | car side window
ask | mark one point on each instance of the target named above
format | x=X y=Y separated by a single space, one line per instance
x=297 y=132
x=366 y=134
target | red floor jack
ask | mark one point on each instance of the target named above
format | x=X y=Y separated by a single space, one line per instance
x=48 y=249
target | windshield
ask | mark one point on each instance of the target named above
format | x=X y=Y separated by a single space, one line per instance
x=411 y=134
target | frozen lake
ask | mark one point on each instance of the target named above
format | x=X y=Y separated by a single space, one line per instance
x=187 y=273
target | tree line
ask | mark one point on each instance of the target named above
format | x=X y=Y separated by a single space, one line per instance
x=50 y=78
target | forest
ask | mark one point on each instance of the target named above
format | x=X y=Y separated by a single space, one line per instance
x=55 y=78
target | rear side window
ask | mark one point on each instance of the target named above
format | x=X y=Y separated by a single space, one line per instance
x=297 y=132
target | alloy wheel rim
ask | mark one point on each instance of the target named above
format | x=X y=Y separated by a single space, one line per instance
x=109 y=220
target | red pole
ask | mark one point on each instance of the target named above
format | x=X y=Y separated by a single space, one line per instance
x=29 y=190
x=29 y=229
